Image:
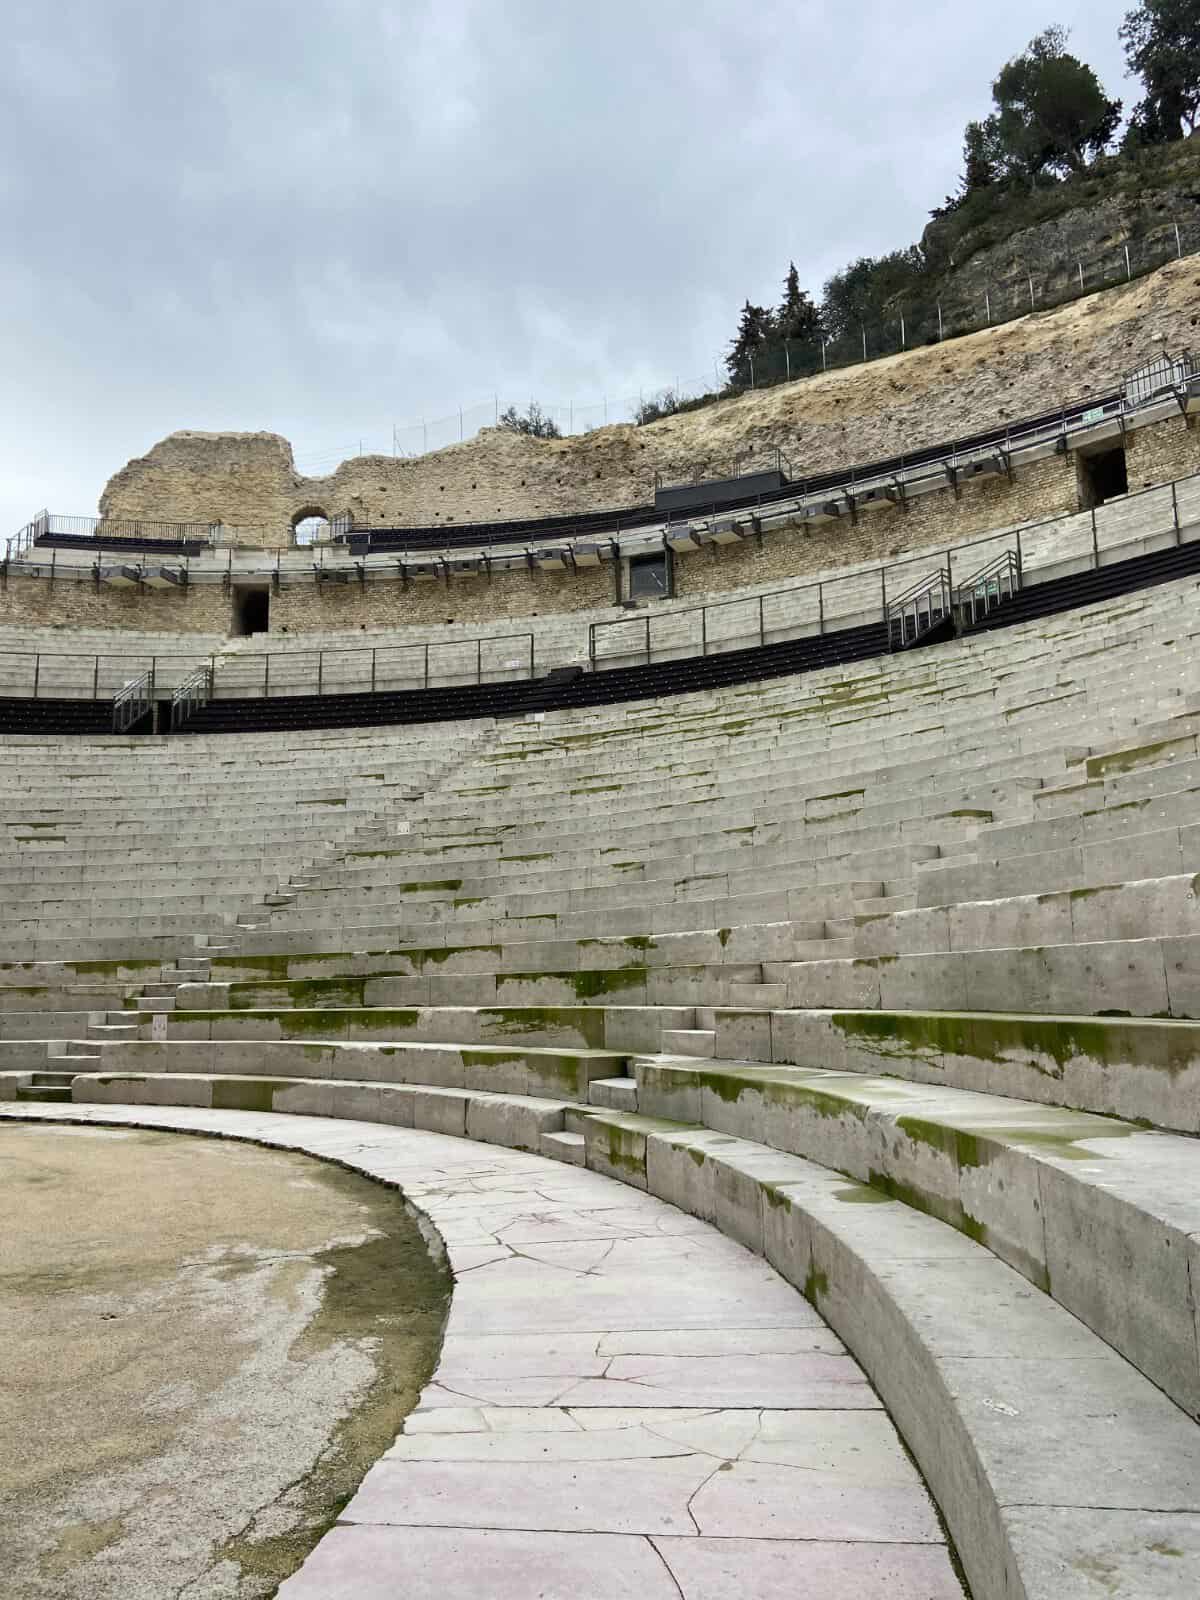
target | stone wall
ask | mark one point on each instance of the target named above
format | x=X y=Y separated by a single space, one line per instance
x=38 y=602
x=1157 y=455
x=859 y=414
x=1043 y=489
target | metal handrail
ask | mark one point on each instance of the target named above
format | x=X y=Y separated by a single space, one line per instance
x=674 y=618
x=131 y=703
x=924 y=606
x=462 y=647
x=195 y=691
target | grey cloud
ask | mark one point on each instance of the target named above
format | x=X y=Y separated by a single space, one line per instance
x=326 y=217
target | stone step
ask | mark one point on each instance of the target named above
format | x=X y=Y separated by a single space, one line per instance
x=1091 y=1210
x=689 y=1041
x=563 y=1146
x=45 y=1093
x=763 y=996
x=616 y=1094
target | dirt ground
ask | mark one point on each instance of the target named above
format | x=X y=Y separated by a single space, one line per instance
x=204 y=1346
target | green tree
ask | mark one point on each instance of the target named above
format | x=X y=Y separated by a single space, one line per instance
x=1162 y=46
x=797 y=317
x=870 y=291
x=755 y=328
x=1051 y=112
x=535 y=422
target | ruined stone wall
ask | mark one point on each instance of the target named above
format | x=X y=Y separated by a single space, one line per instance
x=1043 y=489
x=856 y=415
x=37 y=602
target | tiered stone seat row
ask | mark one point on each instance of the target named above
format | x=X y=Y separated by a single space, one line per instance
x=888 y=973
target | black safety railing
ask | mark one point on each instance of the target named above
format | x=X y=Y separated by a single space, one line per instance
x=133 y=702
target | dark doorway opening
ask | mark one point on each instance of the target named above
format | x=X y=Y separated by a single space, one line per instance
x=251 y=611
x=1102 y=477
x=650 y=577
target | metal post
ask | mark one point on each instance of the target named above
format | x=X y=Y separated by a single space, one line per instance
x=1128 y=268
x=883 y=590
x=1178 y=242
x=1175 y=513
x=479 y=661
x=647 y=639
x=1095 y=544
x=1020 y=559
x=787 y=356
x=863 y=330
x=1029 y=275
x=320 y=671
x=987 y=300
x=426 y=664
x=703 y=630
x=941 y=332
x=267 y=676
x=752 y=383
x=372 y=672
x=37 y=672
x=824 y=364
x=820 y=607
x=1079 y=264
x=903 y=340
x=762 y=635
x=96 y=680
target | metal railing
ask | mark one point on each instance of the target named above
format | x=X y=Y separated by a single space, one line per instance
x=195 y=691
x=380 y=668
x=1164 y=375
x=922 y=607
x=132 y=703
x=862 y=597
x=995 y=582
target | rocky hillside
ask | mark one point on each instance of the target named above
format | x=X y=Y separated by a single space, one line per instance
x=997 y=240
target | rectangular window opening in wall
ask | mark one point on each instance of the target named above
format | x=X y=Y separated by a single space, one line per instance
x=251 y=612
x=650 y=576
x=1102 y=476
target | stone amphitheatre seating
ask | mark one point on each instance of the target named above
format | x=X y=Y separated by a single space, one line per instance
x=889 y=971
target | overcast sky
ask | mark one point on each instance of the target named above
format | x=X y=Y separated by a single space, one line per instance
x=326 y=217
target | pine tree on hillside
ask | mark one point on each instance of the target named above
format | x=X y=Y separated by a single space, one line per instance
x=797 y=317
x=755 y=327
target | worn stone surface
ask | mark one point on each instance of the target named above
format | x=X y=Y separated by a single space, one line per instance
x=205 y=1347
x=627 y=1403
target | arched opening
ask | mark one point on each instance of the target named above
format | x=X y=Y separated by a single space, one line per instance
x=310 y=525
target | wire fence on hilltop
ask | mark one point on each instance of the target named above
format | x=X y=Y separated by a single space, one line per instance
x=916 y=322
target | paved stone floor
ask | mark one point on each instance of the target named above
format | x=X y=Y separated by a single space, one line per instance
x=627 y=1404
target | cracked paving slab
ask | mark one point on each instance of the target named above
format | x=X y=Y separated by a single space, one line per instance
x=627 y=1405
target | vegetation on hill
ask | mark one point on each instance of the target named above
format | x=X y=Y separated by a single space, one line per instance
x=1046 y=148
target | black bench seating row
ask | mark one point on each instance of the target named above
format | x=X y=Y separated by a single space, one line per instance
x=55 y=716
x=541 y=694
x=86 y=541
